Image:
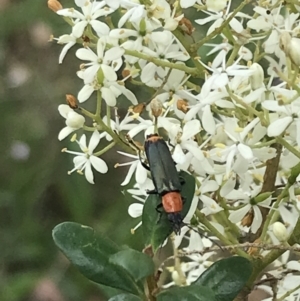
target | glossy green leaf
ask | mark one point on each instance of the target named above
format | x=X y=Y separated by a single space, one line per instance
x=226 y=277
x=138 y=264
x=156 y=226
x=188 y=191
x=125 y=297
x=187 y=293
x=90 y=253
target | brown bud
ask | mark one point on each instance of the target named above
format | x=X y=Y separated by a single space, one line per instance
x=71 y=101
x=138 y=109
x=248 y=219
x=125 y=73
x=156 y=107
x=54 y=5
x=187 y=26
x=182 y=105
x=85 y=39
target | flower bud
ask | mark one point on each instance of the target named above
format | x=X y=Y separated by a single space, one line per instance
x=284 y=42
x=187 y=26
x=75 y=120
x=179 y=281
x=280 y=232
x=71 y=101
x=156 y=107
x=294 y=51
x=290 y=46
x=100 y=76
x=182 y=105
x=138 y=109
x=54 y=5
x=216 y=5
x=257 y=77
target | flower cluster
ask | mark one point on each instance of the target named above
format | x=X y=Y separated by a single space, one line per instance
x=229 y=107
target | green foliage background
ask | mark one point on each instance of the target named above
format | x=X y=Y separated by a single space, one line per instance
x=35 y=192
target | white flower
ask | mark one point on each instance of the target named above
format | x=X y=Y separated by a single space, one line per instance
x=266 y=19
x=203 y=108
x=186 y=142
x=220 y=76
x=103 y=59
x=174 y=87
x=246 y=197
x=86 y=160
x=74 y=121
x=210 y=205
x=140 y=194
x=118 y=126
x=135 y=166
x=239 y=149
x=219 y=16
x=110 y=91
x=70 y=41
x=134 y=14
x=287 y=114
x=91 y=11
x=139 y=38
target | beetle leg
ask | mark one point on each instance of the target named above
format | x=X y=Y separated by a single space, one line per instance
x=159 y=210
x=151 y=191
x=144 y=164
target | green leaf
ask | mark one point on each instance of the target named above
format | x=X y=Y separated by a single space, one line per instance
x=187 y=293
x=226 y=277
x=90 y=253
x=137 y=264
x=125 y=297
x=188 y=191
x=156 y=226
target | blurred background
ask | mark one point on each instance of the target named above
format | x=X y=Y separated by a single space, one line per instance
x=35 y=191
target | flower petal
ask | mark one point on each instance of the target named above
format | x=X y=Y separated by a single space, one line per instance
x=278 y=126
x=208 y=121
x=141 y=173
x=237 y=215
x=99 y=164
x=108 y=96
x=89 y=173
x=245 y=151
x=78 y=28
x=94 y=141
x=109 y=73
x=85 y=93
x=129 y=173
x=135 y=210
x=86 y=55
x=66 y=131
x=101 y=28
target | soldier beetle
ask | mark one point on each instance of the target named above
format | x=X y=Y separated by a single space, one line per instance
x=165 y=178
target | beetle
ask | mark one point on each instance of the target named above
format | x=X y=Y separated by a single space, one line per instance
x=165 y=179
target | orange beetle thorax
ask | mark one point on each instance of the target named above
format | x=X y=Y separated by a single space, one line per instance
x=172 y=202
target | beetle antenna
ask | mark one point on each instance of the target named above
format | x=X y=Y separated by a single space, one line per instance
x=202 y=234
